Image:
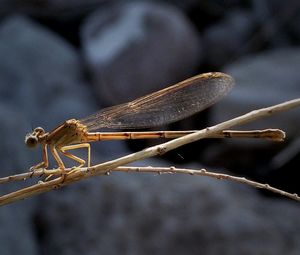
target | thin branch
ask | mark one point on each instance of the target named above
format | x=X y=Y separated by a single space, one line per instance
x=42 y=187
x=203 y=172
x=78 y=174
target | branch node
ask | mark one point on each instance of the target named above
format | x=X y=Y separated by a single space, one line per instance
x=161 y=150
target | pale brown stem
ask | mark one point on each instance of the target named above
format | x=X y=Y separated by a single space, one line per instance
x=103 y=168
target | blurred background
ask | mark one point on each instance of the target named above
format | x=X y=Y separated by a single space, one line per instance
x=68 y=59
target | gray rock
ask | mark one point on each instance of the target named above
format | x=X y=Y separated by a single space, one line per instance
x=227 y=39
x=13 y=153
x=40 y=70
x=17 y=233
x=264 y=80
x=135 y=48
x=40 y=82
x=282 y=21
x=166 y=214
x=55 y=9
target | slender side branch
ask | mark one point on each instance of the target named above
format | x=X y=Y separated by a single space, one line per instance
x=56 y=183
x=203 y=172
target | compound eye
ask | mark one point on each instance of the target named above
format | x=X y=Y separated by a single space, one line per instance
x=39 y=130
x=31 y=141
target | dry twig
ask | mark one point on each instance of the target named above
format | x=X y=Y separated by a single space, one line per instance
x=203 y=172
x=103 y=168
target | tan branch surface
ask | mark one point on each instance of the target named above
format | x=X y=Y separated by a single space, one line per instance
x=203 y=172
x=103 y=168
x=42 y=187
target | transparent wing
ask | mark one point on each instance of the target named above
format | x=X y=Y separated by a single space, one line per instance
x=164 y=106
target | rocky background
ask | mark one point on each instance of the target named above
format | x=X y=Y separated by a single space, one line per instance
x=67 y=59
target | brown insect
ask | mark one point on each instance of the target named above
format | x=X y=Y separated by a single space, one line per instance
x=162 y=107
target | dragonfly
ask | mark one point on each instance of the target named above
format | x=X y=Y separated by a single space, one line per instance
x=163 y=107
